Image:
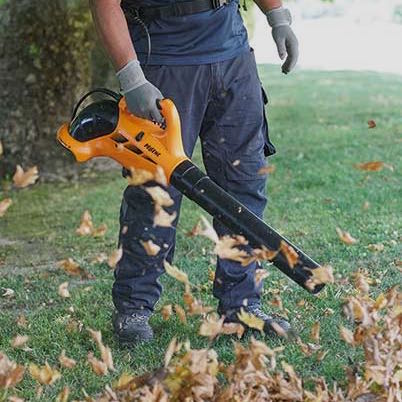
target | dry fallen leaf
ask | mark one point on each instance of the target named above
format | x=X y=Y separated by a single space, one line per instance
x=10 y=372
x=19 y=341
x=4 y=205
x=100 y=231
x=345 y=237
x=289 y=252
x=44 y=375
x=166 y=311
x=304 y=348
x=361 y=282
x=171 y=350
x=150 y=247
x=289 y=370
x=277 y=302
x=347 y=335
x=195 y=306
x=371 y=124
x=162 y=218
x=226 y=248
x=321 y=355
x=111 y=393
x=357 y=311
x=23 y=179
x=160 y=176
x=115 y=257
x=107 y=358
x=72 y=268
x=86 y=226
x=139 y=176
x=63 y=290
x=233 y=329
x=321 y=275
x=267 y=169
x=188 y=299
x=204 y=228
x=374 y=166
x=63 y=395
x=180 y=313
x=211 y=326
x=260 y=254
x=98 y=366
x=175 y=273
x=251 y=320
x=380 y=302
x=124 y=380
x=315 y=332
x=195 y=231
x=106 y=354
x=66 y=361
x=260 y=275
x=1 y=149
x=160 y=196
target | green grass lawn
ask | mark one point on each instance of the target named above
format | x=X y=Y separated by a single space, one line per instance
x=318 y=122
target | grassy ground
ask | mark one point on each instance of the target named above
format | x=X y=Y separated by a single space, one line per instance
x=319 y=125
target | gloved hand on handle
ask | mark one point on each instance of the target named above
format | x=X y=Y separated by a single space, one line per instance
x=280 y=20
x=141 y=96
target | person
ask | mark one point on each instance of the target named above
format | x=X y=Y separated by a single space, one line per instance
x=195 y=52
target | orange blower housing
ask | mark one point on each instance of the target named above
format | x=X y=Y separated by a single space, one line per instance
x=107 y=128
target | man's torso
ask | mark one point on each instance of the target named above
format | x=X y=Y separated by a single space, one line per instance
x=207 y=37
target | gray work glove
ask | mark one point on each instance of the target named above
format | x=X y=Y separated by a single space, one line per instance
x=280 y=19
x=141 y=96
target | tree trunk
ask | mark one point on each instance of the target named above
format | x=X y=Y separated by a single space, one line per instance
x=45 y=60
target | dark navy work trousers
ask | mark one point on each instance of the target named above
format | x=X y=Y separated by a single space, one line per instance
x=223 y=104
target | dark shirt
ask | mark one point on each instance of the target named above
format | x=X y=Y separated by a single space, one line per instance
x=202 y=38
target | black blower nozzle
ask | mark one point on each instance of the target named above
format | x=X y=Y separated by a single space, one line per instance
x=197 y=186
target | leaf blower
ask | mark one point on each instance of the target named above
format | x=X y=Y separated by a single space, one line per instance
x=107 y=128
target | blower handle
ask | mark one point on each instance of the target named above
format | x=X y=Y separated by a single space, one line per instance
x=106 y=91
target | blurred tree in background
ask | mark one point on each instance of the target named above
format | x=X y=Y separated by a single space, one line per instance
x=49 y=57
x=45 y=65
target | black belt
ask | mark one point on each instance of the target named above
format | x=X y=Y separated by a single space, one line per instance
x=177 y=9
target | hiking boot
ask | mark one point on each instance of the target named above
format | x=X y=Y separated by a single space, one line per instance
x=132 y=328
x=283 y=327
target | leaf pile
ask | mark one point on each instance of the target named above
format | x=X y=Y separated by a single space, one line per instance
x=256 y=375
x=378 y=331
